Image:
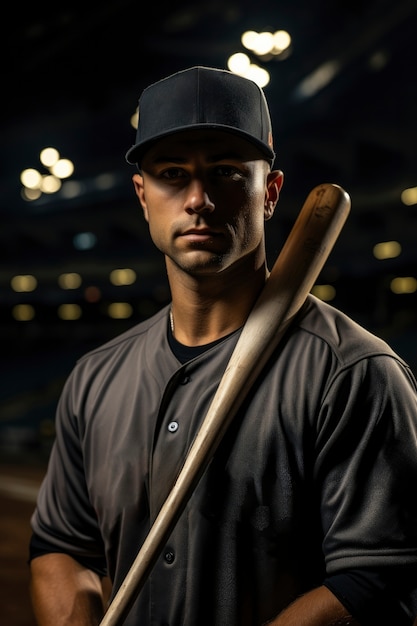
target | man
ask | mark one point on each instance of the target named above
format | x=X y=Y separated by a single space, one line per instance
x=306 y=515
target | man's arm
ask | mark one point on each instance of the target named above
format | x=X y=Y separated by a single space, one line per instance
x=316 y=608
x=64 y=592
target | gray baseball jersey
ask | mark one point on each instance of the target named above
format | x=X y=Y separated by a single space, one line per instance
x=315 y=475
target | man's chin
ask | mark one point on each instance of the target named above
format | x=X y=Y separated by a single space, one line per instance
x=202 y=264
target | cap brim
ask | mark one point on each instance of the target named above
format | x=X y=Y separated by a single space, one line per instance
x=135 y=154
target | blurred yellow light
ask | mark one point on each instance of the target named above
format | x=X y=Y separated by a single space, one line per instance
x=23 y=312
x=120 y=310
x=248 y=39
x=69 y=311
x=69 y=280
x=49 y=156
x=30 y=194
x=23 y=283
x=263 y=44
x=50 y=184
x=387 y=250
x=404 y=284
x=266 y=43
x=121 y=277
x=324 y=292
x=31 y=178
x=258 y=74
x=62 y=168
x=134 y=120
x=409 y=196
x=281 y=41
x=238 y=63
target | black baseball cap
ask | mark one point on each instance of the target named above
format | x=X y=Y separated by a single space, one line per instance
x=203 y=98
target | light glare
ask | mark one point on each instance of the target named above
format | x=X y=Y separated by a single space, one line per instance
x=23 y=312
x=281 y=41
x=120 y=310
x=318 y=79
x=264 y=44
x=239 y=63
x=69 y=312
x=324 y=292
x=404 y=284
x=121 y=277
x=50 y=184
x=31 y=178
x=49 y=156
x=409 y=196
x=387 y=250
x=63 y=168
x=69 y=280
x=23 y=283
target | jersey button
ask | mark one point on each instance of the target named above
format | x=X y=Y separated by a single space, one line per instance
x=185 y=380
x=173 y=427
x=169 y=556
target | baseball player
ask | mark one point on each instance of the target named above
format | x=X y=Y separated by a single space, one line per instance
x=306 y=515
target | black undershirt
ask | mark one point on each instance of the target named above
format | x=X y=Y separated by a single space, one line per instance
x=186 y=353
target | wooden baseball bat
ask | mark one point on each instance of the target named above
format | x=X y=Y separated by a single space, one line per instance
x=293 y=275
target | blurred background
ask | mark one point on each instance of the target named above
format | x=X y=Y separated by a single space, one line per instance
x=76 y=263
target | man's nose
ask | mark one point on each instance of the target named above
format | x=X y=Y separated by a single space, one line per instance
x=198 y=199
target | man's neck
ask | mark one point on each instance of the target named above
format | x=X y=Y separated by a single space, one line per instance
x=203 y=312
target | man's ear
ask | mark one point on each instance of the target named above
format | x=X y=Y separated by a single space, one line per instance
x=275 y=180
x=140 y=193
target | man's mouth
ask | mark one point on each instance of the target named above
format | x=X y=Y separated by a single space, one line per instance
x=199 y=234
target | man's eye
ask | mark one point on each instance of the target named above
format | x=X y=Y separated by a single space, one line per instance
x=225 y=170
x=228 y=171
x=173 y=173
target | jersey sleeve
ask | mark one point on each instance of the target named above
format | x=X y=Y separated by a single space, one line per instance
x=64 y=517
x=377 y=596
x=366 y=465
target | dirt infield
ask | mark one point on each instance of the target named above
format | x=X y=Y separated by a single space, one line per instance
x=18 y=488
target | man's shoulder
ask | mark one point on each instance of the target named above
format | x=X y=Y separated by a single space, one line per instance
x=345 y=337
x=134 y=335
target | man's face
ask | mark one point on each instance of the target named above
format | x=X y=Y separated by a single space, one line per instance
x=205 y=197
